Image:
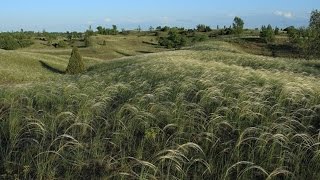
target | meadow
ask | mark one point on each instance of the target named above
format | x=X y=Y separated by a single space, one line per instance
x=208 y=111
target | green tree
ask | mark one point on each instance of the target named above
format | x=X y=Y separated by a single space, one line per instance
x=307 y=40
x=201 y=28
x=174 y=40
x=267 y=34
x=315 y=20
x=101 y=30
x=238 y=25
x=76 y=65
x=8 y=42
x=114 y=30
x=276 y=31
x=87 y=41
x=69 y=36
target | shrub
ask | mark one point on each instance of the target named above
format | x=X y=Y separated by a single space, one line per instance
x=87 y=41
x=203 y=28
x=267 y=34
x=315 y=20
x=307 y=40
x=174 y=40
x=7 y=42
x=276 y=31
x=62 y=44
x=238 y=25
x=76 y=65
x=199 y=38
x=10 y=42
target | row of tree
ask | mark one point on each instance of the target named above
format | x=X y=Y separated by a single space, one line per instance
x=107 y=31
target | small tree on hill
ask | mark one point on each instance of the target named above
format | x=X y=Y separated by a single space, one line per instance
x=76 y=65
x=315 y=20
x=267 y=34
x=238 y=25
x=174 y=40
x=276 y=31
x=114 y=30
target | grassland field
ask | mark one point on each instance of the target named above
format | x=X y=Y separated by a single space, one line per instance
x=209 y=111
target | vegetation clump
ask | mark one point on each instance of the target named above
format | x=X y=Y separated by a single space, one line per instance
x=267 y=34
x=12 y=41
x=174 y=40
x=238 y=24
x=307 y=40
x=76 y=65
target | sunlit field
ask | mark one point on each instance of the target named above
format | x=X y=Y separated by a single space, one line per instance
x=209 y=111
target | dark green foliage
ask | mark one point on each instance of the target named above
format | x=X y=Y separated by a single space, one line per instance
x=203 y=28
x=238 y=26
x=315 y=20
x=225 y=31
x=107 y=31
x=8 y=43
x=267 y=34
x=276 y=31
x=14 y=41
x=199 y=38
x=88 y=41
x=69 y=36
x=165 y=29
x=100 y=30
x=89 y=33
x=159 y=28
x=174 y=40
x=114 y=30
x=307 y=40
x=76 y=65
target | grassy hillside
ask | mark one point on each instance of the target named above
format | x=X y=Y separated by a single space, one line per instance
x=210 y=111
x=25 y=67
x=114 y=47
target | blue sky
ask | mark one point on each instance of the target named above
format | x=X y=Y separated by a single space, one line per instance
x=63 y=15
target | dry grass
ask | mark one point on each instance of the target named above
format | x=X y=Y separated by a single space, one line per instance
x=206 y=112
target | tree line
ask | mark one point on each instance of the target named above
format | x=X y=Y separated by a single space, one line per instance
x=305 y=39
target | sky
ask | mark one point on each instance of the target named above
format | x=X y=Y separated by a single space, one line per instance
x=78 y=15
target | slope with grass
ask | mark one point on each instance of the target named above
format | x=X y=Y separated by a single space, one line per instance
x=206 y=112
x=26 y=67
x=115 y=46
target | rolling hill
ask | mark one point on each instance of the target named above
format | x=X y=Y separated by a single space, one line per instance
x=203 y=112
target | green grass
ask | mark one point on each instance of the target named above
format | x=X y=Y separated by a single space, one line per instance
x=115 y=47
x=205 y=112
x=25 y=67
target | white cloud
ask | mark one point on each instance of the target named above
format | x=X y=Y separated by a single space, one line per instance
x=284 y=14
x=107 y=20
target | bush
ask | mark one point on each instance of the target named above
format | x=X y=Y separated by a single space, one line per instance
x=203 y=28
x=87 y=41
x=76 y=65
x=62 y=44
x=7 y=42
x=199 y=38
x=307 y=40
x=237 y=26
x=276 y=31
x=267 y=34
x=174 y=40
